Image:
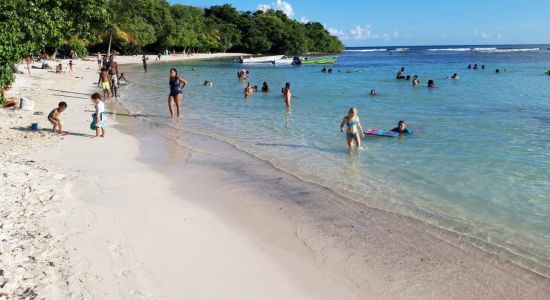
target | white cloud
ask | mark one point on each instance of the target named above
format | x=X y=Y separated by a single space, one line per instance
x=304 y=20
x=479 y=34
x=263 y=7
x=358 y=32
x=279 y=5
x=285 y=7
x=361 y=33
x=499 y=35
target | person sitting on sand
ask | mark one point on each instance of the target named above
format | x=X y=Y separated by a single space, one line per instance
x=103 y=82
x=373 y=92
x=99 y=116
x=287 y=94
x=45 y=64
x=208 y=83
x=265 y=87
x=353 y=128
x=59 y=68
x=53 y=117
x=402 y=128
x=8 y=101
x=431 y=84
x=248 y=90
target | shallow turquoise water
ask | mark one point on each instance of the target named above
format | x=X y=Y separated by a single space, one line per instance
x=478 y=163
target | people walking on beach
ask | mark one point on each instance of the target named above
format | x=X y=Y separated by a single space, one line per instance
x=28 y=61
x=177 y=84
x=113 y=75
x=287 y=94
x=99 y=60
x=265 y=87
x=104 y=83
x=53 y=117
x=144 y=59
x=71 y=65
x=99 y=118
x=353 y=129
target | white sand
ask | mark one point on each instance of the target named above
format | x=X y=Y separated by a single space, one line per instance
x=82 y=218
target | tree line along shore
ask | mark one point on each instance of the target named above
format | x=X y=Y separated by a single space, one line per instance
x=28 y=28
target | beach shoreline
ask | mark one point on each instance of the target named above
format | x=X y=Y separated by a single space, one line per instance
x=296 y=239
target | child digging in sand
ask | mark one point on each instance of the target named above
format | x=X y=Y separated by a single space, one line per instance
x=99 y=118
x=53 y=117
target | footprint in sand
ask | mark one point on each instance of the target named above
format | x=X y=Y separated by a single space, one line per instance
x=115 y=250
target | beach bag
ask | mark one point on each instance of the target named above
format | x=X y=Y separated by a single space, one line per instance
x=26 y=104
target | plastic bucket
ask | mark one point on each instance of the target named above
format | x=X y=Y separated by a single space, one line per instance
x=34 y=126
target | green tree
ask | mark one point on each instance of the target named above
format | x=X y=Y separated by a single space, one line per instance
x=26 y=26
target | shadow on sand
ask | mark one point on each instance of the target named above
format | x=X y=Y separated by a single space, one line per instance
x=49 y=131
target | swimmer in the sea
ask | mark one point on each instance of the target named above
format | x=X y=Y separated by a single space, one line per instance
x=402 y=128
x=431 y=84
x=373 y=92
x=248 y=90
x=265 y=87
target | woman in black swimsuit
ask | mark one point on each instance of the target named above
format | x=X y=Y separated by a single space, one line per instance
x=177 y=84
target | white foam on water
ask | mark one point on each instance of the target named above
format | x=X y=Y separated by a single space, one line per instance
x=367 y=50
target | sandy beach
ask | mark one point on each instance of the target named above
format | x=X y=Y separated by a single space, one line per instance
x=137 y=216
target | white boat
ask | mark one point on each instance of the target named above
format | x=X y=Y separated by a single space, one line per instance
x=285 y=60
x=259 y=60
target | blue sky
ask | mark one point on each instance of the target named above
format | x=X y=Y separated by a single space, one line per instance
x=417 y=22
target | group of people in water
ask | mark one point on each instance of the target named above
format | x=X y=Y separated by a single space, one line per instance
x=250 y=89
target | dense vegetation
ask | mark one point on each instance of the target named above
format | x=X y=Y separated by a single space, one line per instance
x=154 y=25
x=134 y=26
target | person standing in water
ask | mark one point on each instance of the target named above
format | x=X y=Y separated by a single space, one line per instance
x=287 y=94
x=144 y=60
x=177 y=84
x=265 y=87
x=113 y=75
x=354 y=128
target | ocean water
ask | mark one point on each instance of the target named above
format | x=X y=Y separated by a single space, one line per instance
x=478 y=163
